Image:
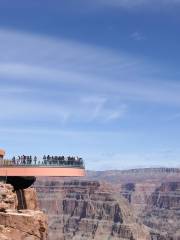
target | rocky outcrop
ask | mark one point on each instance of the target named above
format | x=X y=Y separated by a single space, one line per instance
x=162 y=212
x=82 y=210
x=138 y=194
x=166 y=196
x=28 y=224
x=154 y=194
x=157 y=205
x=31 y=199
x=8 y=198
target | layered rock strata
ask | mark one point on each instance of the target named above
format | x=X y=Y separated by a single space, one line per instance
x=137 y=194
x=162 y=213
x=29 y=224
x=152 y=193
x=83 y=211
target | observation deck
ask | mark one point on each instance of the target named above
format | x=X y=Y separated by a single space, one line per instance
x=47 y=166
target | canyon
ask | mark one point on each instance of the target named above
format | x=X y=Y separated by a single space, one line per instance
x=154 y=195
x=148 y=203
x=139 y=204
x=87 y=210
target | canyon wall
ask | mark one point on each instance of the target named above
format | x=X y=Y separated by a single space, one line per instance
x=83 y=210
x=162 y=212
x=16 y=224
x=153 y=196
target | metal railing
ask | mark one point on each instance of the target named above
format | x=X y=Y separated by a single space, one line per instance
x=42 y=163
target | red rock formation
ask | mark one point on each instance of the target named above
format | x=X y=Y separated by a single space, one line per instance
x=82 y=210
x=162 y=213
x=31 y=199
x=166 y=196
x=153 y=193
x=29 y=224
x=138 y=194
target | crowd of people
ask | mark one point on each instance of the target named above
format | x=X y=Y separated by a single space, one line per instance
x=47 y=160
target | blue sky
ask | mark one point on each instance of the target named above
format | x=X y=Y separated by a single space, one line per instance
x=98 y=78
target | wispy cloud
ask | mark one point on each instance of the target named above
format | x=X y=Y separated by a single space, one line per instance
x=137 y=36
x=58 y=79
x=66 y=81
x=141 y=3
x=27 y=58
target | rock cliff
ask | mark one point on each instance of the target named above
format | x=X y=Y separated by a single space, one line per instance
x=16 y=224
x=83 y=210
x=153 y=193
x=162 y=212
x=167 y=196
x=158 y=207
x=137 y=194
x=153 y=196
